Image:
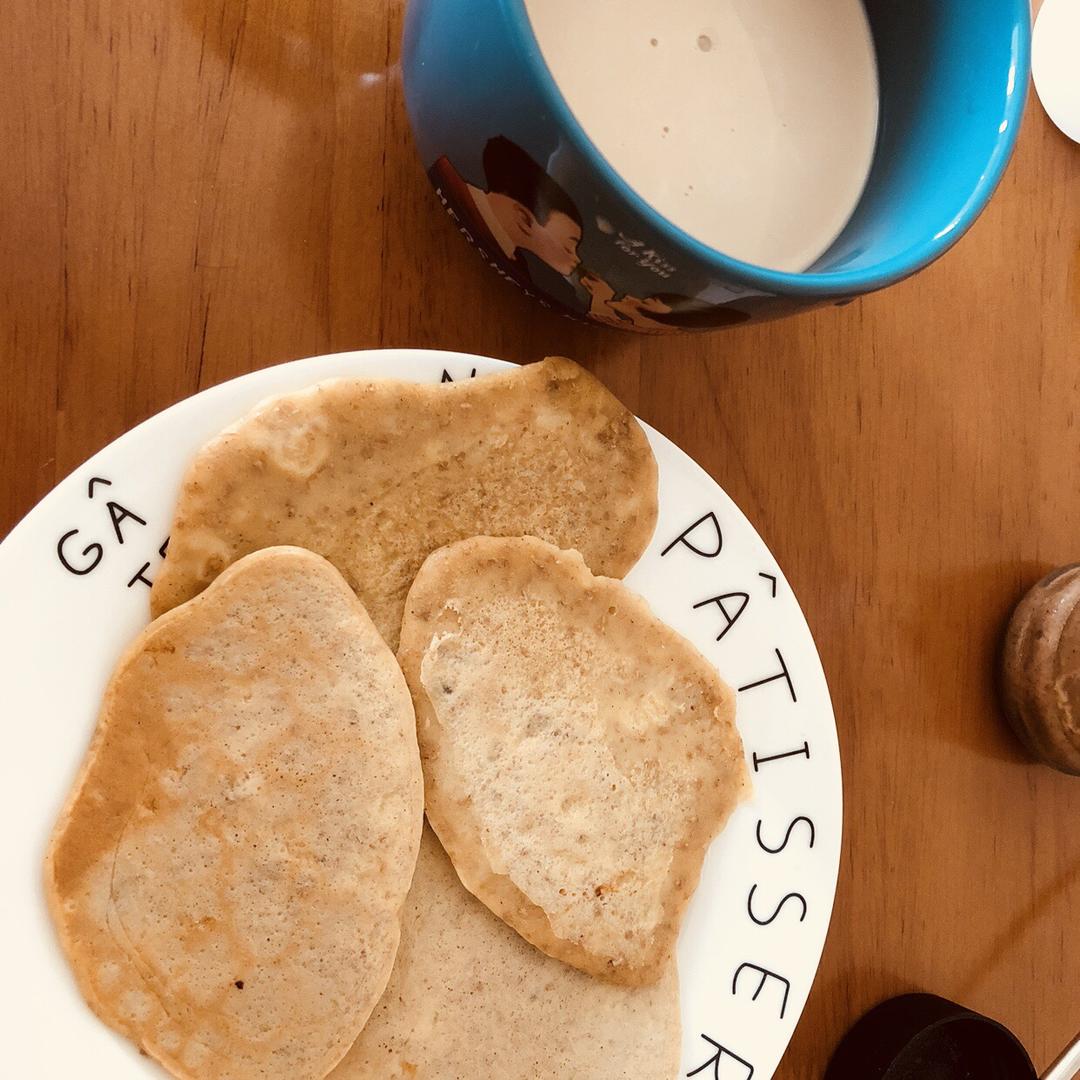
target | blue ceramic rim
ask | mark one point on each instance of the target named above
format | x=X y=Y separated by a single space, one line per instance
x=830 y=284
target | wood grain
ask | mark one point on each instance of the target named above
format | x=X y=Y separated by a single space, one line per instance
x=193 y=189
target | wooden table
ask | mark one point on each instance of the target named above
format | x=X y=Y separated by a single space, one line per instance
x=191 y=189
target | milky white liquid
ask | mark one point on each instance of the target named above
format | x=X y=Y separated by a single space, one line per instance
x=750 y=124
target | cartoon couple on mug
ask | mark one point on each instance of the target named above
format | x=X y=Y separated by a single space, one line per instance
x=523 y=210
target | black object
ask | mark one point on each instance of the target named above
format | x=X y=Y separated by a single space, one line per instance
x=924 y=1037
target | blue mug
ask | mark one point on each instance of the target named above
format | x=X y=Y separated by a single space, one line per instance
x=489 y=118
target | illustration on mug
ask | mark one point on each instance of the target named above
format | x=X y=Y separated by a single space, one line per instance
x=526 y=227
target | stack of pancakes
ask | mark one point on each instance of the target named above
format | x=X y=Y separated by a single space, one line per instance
x=241 y=878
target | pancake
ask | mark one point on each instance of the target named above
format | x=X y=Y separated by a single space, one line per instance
x=228 y=875
x=579 y=755
x=470 y=1000
x=376 y=474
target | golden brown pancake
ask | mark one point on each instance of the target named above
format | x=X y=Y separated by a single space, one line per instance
x=579 y=755
x=470 y=1000
x=228 y=875
x=376 y=474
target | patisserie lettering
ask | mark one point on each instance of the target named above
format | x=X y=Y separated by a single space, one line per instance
x=710 y=536
x=802 y=751
x=719 y=1053
x=783 y=673
x=768 y=920
x=770 y=685
x=766 y=975
x=731 y=614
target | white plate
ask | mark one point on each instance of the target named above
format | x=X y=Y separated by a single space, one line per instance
x=755 y=929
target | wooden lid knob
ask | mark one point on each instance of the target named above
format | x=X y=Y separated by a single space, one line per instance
x=1040 y=669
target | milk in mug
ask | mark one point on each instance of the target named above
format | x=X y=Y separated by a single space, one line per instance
x=749 y=124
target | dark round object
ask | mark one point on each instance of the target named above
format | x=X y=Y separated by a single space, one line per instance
x=924 y=1037
x=1039 y=672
